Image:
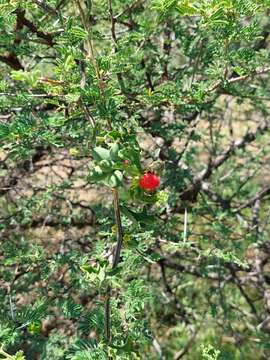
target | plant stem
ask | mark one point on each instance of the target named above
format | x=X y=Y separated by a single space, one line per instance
x=91 y=55
x=119 y=229
x=107 y=316
x=116 y=259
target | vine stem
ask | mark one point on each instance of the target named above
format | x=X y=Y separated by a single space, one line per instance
x=119 y=229
x=107 y=315
x=115 y=262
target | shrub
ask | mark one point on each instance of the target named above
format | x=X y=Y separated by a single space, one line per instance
x=134 y=179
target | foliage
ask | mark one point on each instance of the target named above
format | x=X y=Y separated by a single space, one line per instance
x=94 y=94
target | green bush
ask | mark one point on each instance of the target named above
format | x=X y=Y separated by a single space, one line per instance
x=134 y=167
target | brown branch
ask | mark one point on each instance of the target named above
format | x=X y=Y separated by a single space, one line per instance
x=107 y=314
x=115 y=262
x=192 y=191
x=113 y=32
x=233 y=80
x=164 y=277
x=45 y=7
x=129 y=8
x=167 y=45
x=113 y=22
x=244 y=294
x=187 y=269
x=12 y=61
x=179 y=355
x=119 y=228
x=148 y=76
x=261 y=194
x=32 y=27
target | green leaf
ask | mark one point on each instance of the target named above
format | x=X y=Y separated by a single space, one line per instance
x=78 y=33
x=97 y=175
x=31 y=77
x=185 y=8
x=92 y=320
x=33 y=314
x=100 y=153
x=89 y=269
x=34 y=327
x=114 y=151
x=111 y=181
x=56 y=120
x=71 y=309
x=141 y=217
x=119 y=176
x=106 y=165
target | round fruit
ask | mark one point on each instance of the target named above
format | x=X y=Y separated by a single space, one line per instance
x=149 y=181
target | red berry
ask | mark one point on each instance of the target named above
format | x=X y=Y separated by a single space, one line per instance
x=149 y=181
x=125 y=162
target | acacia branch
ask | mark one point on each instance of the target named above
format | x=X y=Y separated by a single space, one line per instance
x=119 y=228
x=12 y=61
x=233 y=80
x=115 y=262
x=45 y=7
x=192 y=191
x=113 y=32
x=261 y=194
x=129 y=8
x=32 y=27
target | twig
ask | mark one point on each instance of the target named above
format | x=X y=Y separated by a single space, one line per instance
x=192 y=191
x=238 y=78
x=185 y=350
x=242 y=291
x=263 y=193
x=158 y=349
x=113 y=32
x=116 y=259
x=33 y=95
x=23 y=21
x=129 y=8
x=185 y=225
x=45 y=7
x=107 y=315
x=119 y=228
x=91 y=54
